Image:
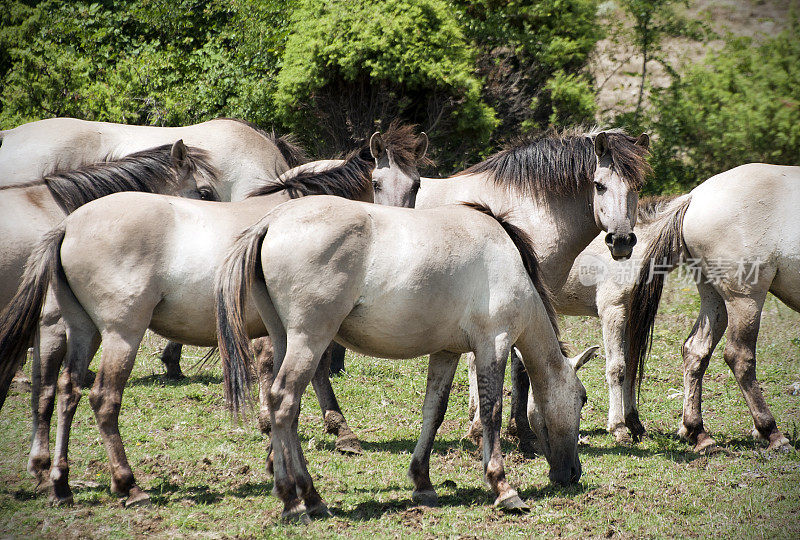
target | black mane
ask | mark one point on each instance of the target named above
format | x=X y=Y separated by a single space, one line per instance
x=351 y=180
x=563 y=164
x=148 y=171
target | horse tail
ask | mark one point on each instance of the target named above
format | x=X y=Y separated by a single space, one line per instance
x=233 y=282
x=524 y=245
x=664 y=250
x=20 y=318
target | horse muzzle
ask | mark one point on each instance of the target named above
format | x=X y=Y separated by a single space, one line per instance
x=620 y=245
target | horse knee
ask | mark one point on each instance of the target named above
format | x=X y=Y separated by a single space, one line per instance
x=282 y=404
x=615 y=372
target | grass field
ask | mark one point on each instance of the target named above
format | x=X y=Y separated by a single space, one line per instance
x=206 y=476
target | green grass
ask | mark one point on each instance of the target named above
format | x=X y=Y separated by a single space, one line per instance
x=206 y=476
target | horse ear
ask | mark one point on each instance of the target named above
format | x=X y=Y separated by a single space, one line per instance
x=422 y=146
x=577 y=362
x=644 y=141
x=376 y=146
x=601 y=143
x=179 y=153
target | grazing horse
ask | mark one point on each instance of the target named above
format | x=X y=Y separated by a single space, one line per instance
x=28 y=210
x=396 y=283
x=740 y=228
x=245 y=156
x=115 y=286
x=599 y=286
x=562 y=191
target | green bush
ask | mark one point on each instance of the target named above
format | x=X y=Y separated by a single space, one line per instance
x=742 y=104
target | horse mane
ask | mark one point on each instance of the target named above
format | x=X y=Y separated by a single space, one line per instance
x=402 y=142
x=530 y=261
x=351 y=180
x=287 y=144
x=650 y=208
x=563 y=163
x=148 y=171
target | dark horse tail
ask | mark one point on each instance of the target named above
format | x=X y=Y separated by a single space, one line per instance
x=524 y=245
x=19 y=320
x=233 y=283
x=663 y=252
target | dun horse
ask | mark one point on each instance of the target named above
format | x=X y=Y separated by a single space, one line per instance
x=116 y=286
x=563 y=190
x=739 y=237
x=396 y=283
x=28 y=210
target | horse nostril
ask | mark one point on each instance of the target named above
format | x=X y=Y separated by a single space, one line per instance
x=610 y=239
x=632 y=239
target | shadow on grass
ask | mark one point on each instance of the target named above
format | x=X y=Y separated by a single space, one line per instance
x=168 y=492
x=162 y=381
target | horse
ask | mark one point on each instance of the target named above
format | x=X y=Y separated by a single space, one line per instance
x=398 y=153
x=396 y=283
x=29 y=209
x=598 y=286
x=563 y=190
x=740 y=234
x=118 y=285
x=245 y=155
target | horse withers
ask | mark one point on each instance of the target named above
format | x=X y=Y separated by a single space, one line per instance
x=467 y=280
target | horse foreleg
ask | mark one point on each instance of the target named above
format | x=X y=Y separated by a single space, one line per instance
x=337 y=358
x=518 y=418
x=171 y=358
x=116 y=363
x=744 y=315
x=441 y=369
x=332 y=417
x=622 y=413
x=697 y=350
x=490 y=364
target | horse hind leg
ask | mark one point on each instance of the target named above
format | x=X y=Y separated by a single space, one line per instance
x=518 y=418
x=475 y=429
x=441 y=370
x=82 y=343
x=116 y=363
x=292 y=480
x=697 y=350
x=490 y=363
x=744 y=314
x=48 y=354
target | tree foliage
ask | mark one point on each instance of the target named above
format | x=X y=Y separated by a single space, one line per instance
x=742 y=104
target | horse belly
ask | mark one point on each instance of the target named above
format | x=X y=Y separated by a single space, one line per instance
x=405 y=327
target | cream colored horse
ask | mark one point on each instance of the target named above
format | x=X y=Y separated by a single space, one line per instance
x=30 y=209
x=154 y=268
x=246 y=156
x=396 y=283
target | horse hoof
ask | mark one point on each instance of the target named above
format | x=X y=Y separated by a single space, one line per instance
x=621 y=435
x=319 y=510
x=137 y=497
x=510 y=502
x=706 y=446
x=780 y=445
x=296 y=514
x=67 y=500
x=426 y=497
x=349 y=446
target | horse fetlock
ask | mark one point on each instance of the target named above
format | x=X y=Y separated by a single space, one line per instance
x=333 y=422
x=419 y=475
x=620 y=433
x=122 y=483
x=779 y=443
x=475 y=431
x=294 y=511
x=634 y=423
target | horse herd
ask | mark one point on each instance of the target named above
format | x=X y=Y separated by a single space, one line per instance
x=208 y=235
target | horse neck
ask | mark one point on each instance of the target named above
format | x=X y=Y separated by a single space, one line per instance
x=560 y=227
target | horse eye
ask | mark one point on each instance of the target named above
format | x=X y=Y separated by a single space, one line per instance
x=376 y=185
x=206 y=194
x=601 y=188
